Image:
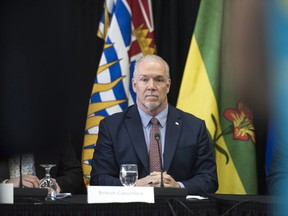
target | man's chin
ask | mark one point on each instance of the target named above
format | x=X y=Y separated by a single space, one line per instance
x=152 y=106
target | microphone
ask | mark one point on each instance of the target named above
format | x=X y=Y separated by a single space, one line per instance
x=157 y=138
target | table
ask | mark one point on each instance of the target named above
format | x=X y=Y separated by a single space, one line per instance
x=217 y=204
x=237 y=205
x=77 y=205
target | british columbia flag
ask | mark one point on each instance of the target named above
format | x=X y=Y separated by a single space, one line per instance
x=127 y=28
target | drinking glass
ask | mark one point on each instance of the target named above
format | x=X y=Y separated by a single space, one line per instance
x=47 y=181
x=128 y=174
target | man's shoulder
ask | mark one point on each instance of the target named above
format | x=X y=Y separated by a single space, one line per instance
x=122 y=114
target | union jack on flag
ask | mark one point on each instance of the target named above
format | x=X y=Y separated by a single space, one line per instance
x=128 y=31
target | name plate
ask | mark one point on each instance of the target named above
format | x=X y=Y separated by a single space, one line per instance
x=119 y=194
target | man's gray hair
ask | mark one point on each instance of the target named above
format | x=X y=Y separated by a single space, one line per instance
x=152 y=57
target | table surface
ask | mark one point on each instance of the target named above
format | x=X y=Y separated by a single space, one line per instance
x=216 y=204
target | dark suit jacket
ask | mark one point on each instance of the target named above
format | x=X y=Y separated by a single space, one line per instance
x=188 y=155
x=68 y=172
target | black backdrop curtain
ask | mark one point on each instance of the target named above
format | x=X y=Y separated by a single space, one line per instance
x=49 y=53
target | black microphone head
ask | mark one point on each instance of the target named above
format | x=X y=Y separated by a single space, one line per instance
x=157 y=136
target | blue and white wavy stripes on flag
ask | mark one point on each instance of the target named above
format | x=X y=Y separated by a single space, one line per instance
x=112 y=89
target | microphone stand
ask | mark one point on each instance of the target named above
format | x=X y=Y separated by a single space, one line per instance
x=157 y=138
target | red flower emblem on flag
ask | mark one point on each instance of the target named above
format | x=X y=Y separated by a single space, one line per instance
x=242 y=127
x=242 y=120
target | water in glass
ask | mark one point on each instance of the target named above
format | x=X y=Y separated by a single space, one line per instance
x=128 y=174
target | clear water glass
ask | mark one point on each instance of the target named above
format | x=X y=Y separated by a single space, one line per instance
x=128 y=174
x=47 y=181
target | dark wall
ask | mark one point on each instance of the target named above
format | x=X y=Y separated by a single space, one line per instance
x=49 y=53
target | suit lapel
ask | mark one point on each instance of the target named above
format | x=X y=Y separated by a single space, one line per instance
x=173 y=128
x=135 y=130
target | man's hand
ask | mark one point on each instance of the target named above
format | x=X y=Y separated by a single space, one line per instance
x=146 y=181
x=154 y=179
x=169 y=181
x=58 y=189
x=28 y=181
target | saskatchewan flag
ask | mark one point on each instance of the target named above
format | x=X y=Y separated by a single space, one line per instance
x=207 y=91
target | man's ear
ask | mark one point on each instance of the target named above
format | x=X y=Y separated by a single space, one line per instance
x=134 y=85
x=168 y=85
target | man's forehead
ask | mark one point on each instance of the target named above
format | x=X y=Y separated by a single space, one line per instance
x=151 y=74
x=152 y=69
x=151 y=61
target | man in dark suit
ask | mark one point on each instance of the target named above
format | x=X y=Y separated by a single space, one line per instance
x=67 y=173
x=123 y=138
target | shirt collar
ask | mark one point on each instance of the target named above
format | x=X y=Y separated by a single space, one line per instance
x=162 y=117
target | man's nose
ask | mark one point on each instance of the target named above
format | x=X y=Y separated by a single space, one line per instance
x=151 y=84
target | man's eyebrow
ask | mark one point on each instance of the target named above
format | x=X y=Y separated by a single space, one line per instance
x=144 y=75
